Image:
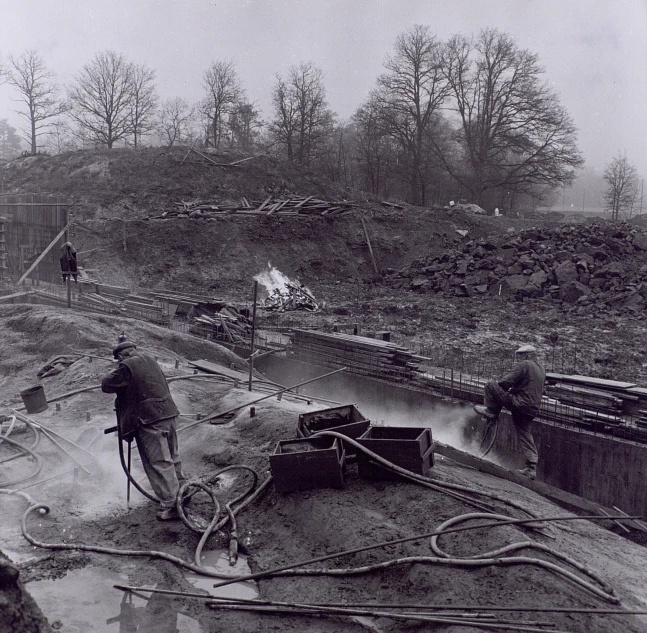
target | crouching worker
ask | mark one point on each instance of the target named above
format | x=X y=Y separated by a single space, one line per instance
x=520 y=392
x=146 y=411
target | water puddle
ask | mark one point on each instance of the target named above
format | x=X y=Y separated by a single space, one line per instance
x=85 y=600
x=217 y=560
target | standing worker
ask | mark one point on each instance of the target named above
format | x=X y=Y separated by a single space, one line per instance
x=68 y=262
x=146 y=411
x=520 y=392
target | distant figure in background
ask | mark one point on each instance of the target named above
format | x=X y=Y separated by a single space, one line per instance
x=520 y=392
x=68 y=262
x=146 y=411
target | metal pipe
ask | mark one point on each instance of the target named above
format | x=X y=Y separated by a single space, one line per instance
x=251 y=357
x=47 y=430
x=213 y=416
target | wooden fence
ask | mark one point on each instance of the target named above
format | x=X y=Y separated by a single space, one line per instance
x=33 y=221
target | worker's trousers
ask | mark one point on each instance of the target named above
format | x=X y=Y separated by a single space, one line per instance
x=497 y=398
x=158 y=449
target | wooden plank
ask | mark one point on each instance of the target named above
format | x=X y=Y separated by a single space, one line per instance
x=300 y=204
x=264 y=204
x=213 y=368
x=545 y=490
x=274 y=207
x=601 y=383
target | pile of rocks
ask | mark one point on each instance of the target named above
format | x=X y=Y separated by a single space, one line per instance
x=600 y=266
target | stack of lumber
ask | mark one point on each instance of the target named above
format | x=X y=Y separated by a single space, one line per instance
x=221 y=326
x=286 y=206
x=361 y=355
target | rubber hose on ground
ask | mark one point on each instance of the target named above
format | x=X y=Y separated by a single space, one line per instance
x=32 y=446
x=216 y=523
x=427 y=480
x=600 y=589
x=35 y=456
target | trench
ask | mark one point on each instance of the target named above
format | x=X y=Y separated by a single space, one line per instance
x=596 y=467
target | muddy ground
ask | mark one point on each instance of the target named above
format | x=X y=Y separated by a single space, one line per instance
x=277 y=529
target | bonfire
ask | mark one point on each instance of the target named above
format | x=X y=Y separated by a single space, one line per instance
x=283 y=293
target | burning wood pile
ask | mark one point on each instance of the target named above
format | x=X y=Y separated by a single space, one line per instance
x=295 y=207
x=284 y=294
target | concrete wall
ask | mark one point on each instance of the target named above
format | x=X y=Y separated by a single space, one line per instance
x=600 y=468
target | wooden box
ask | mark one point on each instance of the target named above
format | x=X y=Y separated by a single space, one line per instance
x=307 y=463
x=345 y=419
x=408 y=447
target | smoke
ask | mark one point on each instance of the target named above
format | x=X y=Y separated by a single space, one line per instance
x=273 y=279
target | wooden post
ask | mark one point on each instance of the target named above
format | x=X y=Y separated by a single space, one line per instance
x=251 y=355
x=123 y=231
x=69 y=290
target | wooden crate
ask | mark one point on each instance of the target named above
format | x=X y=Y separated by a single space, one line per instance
x=306 y=463
x=345 y=419
x=408 y=447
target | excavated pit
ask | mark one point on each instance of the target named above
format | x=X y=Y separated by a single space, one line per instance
x=75 y=589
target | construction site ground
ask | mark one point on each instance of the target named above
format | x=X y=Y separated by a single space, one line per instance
x=219 y=257
x=282 y=528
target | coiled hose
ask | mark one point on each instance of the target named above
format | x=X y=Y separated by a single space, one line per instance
x=242 y=501
x=29 y=451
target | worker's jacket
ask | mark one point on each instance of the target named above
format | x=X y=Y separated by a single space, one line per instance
x=143 y=396
x=526 y=385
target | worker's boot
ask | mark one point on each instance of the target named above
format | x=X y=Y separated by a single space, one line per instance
x=529 y=471
x=168 y=514
x=482 y=410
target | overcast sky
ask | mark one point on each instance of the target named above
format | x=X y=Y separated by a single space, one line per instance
x=594 y=51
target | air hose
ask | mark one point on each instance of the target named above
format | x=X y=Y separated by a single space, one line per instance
x=30 y=452
x=493 y=428
x=445 y=487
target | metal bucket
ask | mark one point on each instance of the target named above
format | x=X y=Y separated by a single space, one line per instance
x=34 y=399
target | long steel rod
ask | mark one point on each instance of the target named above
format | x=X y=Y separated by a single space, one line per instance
x=250 y=360
x=407 y=539
x=212 y=416
x=46 y=429
x=430 y=607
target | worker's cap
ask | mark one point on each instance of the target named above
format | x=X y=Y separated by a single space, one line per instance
x=121 y=347
x=526 y=349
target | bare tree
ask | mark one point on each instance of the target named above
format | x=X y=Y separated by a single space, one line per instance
x=512 y=129
x=373 y=148
x=412 y=92
x=302 y=119
x=144 y=101
x=102 y=99
x=29 y=75
x=223 y=90
x=622 y=185
x=174 y=121
x=60 y=138
x=244 y=124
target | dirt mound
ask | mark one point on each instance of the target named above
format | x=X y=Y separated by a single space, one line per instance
x=33 y=334
x=153 y=179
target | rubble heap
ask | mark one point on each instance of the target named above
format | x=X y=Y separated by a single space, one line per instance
x=291 y=296
x=592 y=267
